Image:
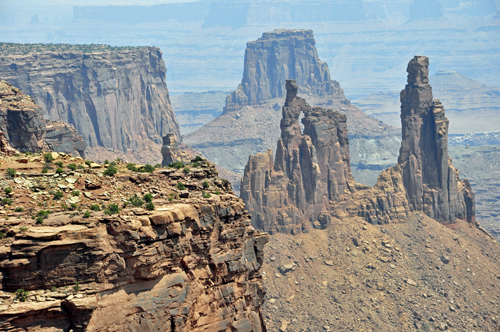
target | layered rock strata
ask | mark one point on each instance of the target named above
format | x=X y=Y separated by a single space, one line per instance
x=63 y=137
x=115 y=99
x=5 y=148
x=192 y=262
x=171 y=152
x=310 y=180
x=252 y=113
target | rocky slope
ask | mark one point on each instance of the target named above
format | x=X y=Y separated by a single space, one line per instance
x=187 y=261
x=117 y=100
x=24 y=126
x=251 y=116
x=310 y=179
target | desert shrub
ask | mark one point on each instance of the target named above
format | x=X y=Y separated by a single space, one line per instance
x=59 y=164
x=198 y=158
x=59 y=171
x=58 y=195
x=45 y=170
x=23 y=229
x=195 y=164
x=86 y=214
x=76 y=287
x=132 y=167
x=19 y=209
x=136 y=201
x=76 y=192
x=206 y=195
x=73 y=206
x=95 y=207
x=11 y=172
x=148 y=198
x=176 y=164
x=7 y=201
x=106 y=162
x=22 y=295
x=53 y=288
x=2 y=235
x=112 y=209
x=8 y=190
x=206 y=185
x=88 y=163
x=72 y=167
x=81 y=167
x=181 y=186
x=48 y=157
x=148 y=168
x=218 y=192
x=186 y=170
x=150 y=206
x=158 y=166
x=110 y=171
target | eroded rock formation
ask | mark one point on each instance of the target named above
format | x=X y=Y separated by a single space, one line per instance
x=22 y=121
x=252 y=113
x=115 y=99
x=310 y=180
x=5 y=148
x=189 y=263
x=171 y=151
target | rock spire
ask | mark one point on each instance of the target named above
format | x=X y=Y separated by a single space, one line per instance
x=310 y=181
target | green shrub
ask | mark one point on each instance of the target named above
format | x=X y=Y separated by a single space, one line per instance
x=195 y=164
x=112 y=164
x=148 y=198
x=19 y=209
x=23 y=229
x=132 y=167
x=81 y=167
x=181 y=186
x=76 y=192
x=58 y=195
x=186 y=170
x=76 y=287
x=136 y=201
x=177 y=164
x=150 y=206
x=118 y=159
x=206 y=195
x=148 y=168
x=206 y=185
x=29 y=153
x=59 y=171
x=16 y=154
x=95 y=207
x=170 y=199
x=86 y=214
x=21 y=295
x=48 y=157
x=72 y=167
x=8 y=190
x=218 y=192
x=53 y=288
x=112 y=209
x=106 y=162
x=59 y=164
x=73 y=206
x=158 y=166
x=39 y=220
x=198 y=158
x=45 y=170
x=7 y=201
x=11 y=172
x=110 y=171
x=88 y=163
x=64 y=206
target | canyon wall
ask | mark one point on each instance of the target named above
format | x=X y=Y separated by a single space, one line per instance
x=115 y=99
x=310 y=181
x=251 y=116
x=188 y=263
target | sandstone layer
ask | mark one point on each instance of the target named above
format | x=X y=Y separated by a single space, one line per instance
x=310 y=180
x=190 y=262
x=26 y=129
x=115 y=99
x=251 y=116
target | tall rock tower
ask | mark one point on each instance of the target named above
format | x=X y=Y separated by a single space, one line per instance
x=431 y=181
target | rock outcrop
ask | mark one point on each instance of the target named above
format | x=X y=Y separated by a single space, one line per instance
x=171 y=151
x=21 y=119
x=5 y=148
x=115 y=99
x=190 y=262
x=310 y=180
x=431 y=181
x=251 y=116
x=26 y=129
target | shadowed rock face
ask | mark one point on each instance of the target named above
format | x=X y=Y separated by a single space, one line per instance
x=311 y=181
x=430 y=179
x=115 y=100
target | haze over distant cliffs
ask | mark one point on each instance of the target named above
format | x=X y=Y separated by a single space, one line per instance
x=116 y=99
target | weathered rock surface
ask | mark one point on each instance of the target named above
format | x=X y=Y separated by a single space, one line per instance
x=310 y=181
x=251 y=116
x=171 y=152
x=63 y=137
x=187 y=264
x=115 y=99
x=5 y=148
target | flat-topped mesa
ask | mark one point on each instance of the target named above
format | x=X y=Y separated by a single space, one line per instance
x=275 y=57
x=431 y=181
x=310 y=169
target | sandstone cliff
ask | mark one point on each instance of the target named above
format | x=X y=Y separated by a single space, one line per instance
x=310 y=180
x=26 y=129
x=251 y=116
x=115 y=99
x=190 y=261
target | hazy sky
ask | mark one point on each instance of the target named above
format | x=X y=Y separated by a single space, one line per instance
x=96 y=2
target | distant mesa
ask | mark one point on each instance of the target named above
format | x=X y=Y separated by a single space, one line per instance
x=310 y=181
